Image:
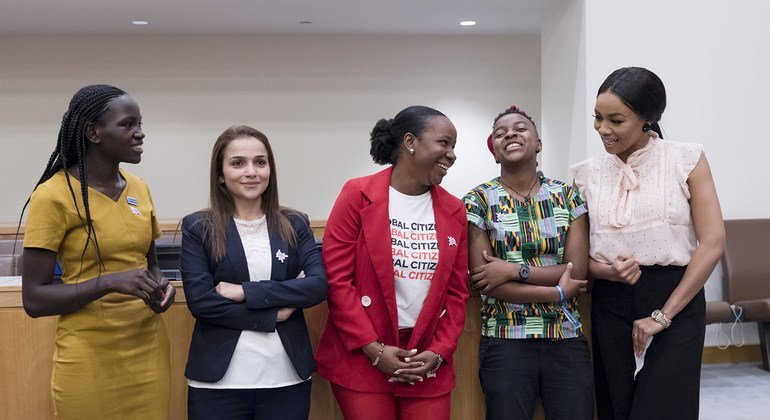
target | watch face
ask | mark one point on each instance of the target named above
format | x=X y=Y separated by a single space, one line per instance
x=524 y=272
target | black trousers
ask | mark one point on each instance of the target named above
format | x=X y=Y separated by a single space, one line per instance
x=668 y=386
x=514 y=372
x=286 y=403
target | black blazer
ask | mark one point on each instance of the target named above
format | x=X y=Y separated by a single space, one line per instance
x=219 y=321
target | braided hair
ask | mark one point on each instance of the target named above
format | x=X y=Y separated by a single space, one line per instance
x=513 y=109
x=85 y=107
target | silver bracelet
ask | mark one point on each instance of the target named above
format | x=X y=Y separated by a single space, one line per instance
x=432 y=373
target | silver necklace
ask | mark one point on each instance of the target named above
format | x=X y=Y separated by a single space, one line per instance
x=121 y=185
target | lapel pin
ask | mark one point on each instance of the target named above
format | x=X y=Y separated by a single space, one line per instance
x=280 y=256
x=452 y=241
x=135 y=211
x=131 y=200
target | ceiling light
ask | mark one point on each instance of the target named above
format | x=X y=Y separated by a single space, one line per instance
x=139 y=22
x=468 y=23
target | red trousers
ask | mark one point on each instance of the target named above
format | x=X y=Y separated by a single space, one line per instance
x=365 y=405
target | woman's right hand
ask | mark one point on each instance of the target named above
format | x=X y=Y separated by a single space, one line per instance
x=391 y=358
x=284 y=314
x=139 y=283
x=571 y=287
x=626 y=268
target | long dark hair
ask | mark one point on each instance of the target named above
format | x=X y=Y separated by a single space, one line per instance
x=641 y=90
x=221 y=201
x=85 y=108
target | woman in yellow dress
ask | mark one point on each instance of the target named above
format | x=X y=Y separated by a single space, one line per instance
x=111 y=356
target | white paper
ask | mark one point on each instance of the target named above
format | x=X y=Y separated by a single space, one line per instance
x=640 y=359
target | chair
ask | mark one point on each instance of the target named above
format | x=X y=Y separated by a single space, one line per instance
x=718 y=312
x=746 y=274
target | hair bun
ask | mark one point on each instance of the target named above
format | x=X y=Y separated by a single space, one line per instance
x=383 y=142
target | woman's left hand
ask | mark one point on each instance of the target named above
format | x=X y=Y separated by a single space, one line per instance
x=411 y=375
x=643 y=329
x=231 y=291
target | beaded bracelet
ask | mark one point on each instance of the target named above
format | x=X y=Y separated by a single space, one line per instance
x=379 y=353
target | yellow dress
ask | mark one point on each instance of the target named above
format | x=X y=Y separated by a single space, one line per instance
x=111 y=357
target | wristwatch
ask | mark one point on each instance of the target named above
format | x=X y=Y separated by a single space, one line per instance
x=661 y=318
x=523 y=273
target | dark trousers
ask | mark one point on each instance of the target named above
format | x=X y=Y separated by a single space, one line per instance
x=668 y=385
x=289 y=403
x=513 y=372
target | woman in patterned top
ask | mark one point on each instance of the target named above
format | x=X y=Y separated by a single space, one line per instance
x=527 y=238
x=656 y=235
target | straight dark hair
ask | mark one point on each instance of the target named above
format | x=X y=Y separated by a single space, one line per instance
x=641 y=90
x=220 y=214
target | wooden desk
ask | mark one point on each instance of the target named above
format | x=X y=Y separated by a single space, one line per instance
x=27 y=348
x=26 y=358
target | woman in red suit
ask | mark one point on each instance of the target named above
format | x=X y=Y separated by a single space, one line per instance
x=395 y=251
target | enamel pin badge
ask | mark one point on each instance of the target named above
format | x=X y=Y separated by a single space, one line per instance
x=452 y=241
x=280 y=256
x=131 y=200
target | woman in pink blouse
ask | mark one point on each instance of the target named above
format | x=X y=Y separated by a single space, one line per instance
x=656 y=235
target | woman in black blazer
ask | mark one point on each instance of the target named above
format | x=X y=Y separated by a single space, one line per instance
x=249 y=267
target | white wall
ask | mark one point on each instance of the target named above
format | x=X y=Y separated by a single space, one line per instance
x=563 y=86
x=316 y=98
x=714 y=60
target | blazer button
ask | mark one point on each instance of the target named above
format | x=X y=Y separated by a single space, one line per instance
x=267 y=301
x=366 y=301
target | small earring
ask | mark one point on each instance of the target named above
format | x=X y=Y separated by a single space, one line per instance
x=411 y=151
x=646 y=127
x=221 y=180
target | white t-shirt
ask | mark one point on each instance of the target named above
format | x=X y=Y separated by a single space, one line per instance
x=259 y=359
x=415 y=252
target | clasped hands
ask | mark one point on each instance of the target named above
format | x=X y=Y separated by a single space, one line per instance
x=149 y=285
x=403 y=366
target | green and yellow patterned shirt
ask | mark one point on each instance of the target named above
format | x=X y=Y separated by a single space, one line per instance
x=533 y=233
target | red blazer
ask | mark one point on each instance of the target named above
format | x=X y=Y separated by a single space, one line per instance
x=362 y=298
